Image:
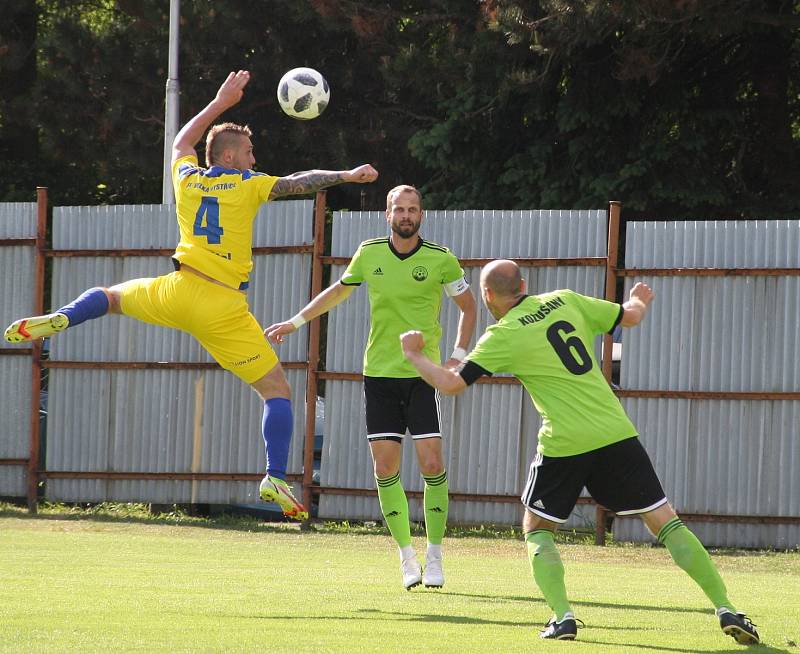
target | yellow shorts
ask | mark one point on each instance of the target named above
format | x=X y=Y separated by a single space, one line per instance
x=218 y=317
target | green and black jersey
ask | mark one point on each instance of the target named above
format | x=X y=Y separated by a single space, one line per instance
x=546 y=341
x=405 y=292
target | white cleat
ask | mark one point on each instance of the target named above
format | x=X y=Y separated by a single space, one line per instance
x=434 y=575
x=412 y=572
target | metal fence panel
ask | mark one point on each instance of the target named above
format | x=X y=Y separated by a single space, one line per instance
x=154 y=226
x=15 y=422
x=713 y=244
x=159 y=421
x=164 y=420
x=16 y=285
x=737 y=333
x=716 y=334
x=489 y=433
x=487 y=233
x=18 y=220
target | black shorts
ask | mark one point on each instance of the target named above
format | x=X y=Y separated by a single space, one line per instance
x=619 y=477
x=396 y=405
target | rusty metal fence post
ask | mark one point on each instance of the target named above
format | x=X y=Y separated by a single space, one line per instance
x=313 y=350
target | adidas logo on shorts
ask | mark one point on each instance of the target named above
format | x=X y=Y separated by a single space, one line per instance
x=538 y=504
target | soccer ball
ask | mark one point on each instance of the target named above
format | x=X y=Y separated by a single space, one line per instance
x=303 y=93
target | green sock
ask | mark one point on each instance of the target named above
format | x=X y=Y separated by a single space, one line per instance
x=394 y=506
x=436 y=503
x=690 y=555
x=548 y=570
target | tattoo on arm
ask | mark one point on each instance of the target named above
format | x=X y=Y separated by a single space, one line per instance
x=308 y=181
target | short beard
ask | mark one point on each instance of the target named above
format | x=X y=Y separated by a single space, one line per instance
x=406 y=232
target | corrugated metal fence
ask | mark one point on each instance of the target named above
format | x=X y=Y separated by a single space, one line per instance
x=717 y=370
x=141 y=413
x=18 y=228
x=490 y=431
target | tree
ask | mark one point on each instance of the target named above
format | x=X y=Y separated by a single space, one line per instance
x=19 y=143
x=677 y=108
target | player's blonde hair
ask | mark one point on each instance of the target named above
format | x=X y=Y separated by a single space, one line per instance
x=222 y=136
x=397 y=190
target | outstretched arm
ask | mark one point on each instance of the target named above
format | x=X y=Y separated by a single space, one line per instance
x=310 y=181
x=635 y=308
x=228 y=95
x=445 y=380
x=324 y=302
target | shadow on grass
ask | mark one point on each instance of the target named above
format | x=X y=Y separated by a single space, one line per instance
x=636 y=647
x=369 y=614
x=376 y=614
x=439 y=618
x=602 y=605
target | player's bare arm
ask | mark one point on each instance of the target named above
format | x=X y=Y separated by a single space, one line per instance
x=229 y=94
x=324 y=302
x=640 y=297
x=310 y=181
x=466 y=327
x=445 y=380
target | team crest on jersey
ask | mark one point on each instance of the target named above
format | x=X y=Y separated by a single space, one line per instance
x=420 y=273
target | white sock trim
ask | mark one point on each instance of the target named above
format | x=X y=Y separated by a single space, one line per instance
x=407 y=552
x=434 y=551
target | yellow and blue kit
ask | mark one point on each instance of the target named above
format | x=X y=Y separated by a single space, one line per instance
x=216 y=208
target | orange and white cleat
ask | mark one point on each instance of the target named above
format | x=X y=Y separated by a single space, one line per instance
x=274 y=489
x=29 y=329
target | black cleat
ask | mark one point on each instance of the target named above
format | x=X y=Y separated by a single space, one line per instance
x=739 y=627
x=567 y=629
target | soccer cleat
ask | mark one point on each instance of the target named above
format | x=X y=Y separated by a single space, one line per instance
x=434 y=575
x=273 y=489
x=412 y=572
x=28 y=329
x=567 y=629
x=739 y=627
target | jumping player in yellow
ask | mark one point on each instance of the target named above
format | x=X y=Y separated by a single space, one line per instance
x=586 y=438
x=205 y=296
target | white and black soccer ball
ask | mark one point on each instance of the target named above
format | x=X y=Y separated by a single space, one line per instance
x=303 y=93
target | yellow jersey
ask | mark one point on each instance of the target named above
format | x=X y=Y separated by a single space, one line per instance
x=216 y=208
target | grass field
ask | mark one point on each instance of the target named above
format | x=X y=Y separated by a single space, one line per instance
x=119 y=581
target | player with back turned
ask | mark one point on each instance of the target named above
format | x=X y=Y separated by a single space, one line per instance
x=205 y=296
x=586 y=438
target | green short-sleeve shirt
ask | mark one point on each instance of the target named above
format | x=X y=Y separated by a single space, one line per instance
x=405 y=292
x=546 y=341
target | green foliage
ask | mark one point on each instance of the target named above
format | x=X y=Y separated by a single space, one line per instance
x=679 y=108
x=672 y=107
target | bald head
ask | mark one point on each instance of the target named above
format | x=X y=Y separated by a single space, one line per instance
x=503 y=278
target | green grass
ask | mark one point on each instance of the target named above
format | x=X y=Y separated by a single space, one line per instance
x=115 y=579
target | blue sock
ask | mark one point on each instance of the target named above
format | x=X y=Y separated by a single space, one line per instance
x=92 y=304
x=276 y=428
